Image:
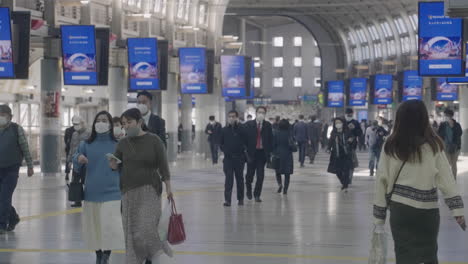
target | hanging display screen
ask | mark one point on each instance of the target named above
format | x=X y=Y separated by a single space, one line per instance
x=192 y=65
x=440 y=41
x=357 y=91
x=6 y=57
x=412 y=86
x=143 y=72
x=446 y=91
x=233 y=76
x=335 y=93
x=79 y=55
x=383 y=89
x=461 y=80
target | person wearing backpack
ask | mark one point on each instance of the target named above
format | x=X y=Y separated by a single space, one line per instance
x=14 y=142
x=375 y=138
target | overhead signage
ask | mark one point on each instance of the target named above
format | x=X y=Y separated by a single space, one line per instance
x=79 y=55
x=335 y=93
x=446 y=91
x=383 y=89
x=461 y=80
x=233 y=76
x=440 y=41
x=412 y=86
x=6 y=55
x=192 y=64
x=357 y=91
x=143 y=69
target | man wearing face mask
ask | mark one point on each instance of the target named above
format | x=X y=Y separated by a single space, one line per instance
x=214 y=130
x=68 y=136
x=451 y=132
x=233 y=144
x=259 y=147
x=14 y=142
x=155 y=124
x=356 y=132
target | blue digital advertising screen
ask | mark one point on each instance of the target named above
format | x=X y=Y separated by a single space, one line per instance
x=446 y=91
x=143 y=69
x=335 y=93
x=233 y=76
x=79 y=55
x=440 y=41
x=461 y=80
x=383 y=89
x=357 y=91
x=192 y=65
x=6 y=55
x=412 y=86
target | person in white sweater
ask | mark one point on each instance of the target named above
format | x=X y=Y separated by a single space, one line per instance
x=412 y=167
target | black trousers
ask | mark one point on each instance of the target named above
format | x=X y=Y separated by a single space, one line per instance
x=256 y=167
x=233 y=167
x=302 y=151
x=286 y=181
x=67 y=165
x=343 y=176
x=214 y=151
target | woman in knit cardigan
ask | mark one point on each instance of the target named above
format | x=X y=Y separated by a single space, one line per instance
x=413 y=166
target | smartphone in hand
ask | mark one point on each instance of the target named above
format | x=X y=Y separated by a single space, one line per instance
x=111 y=156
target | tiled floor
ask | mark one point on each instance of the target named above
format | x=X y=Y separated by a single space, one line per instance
x=314 y=224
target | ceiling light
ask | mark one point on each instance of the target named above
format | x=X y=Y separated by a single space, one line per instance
x=30 y=87
x=84 y=2
x=89 y=91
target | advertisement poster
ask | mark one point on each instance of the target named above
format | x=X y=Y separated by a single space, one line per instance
x=79 y=55
x=335 y=93
x=383 y=89
x=461 y=80
x=357 y=91
x=233 y=76
x=446 y=91
x=440 y=41
x=412 y=86
x=51 y=107
x=192 y=64
x=143 y=69
x=6 y=52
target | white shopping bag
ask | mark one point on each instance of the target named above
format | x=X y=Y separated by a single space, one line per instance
x=163 y=228
x=378 y=251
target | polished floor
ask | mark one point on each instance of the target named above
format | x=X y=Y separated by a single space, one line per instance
x=314 y=224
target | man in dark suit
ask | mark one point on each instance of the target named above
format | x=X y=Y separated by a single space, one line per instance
x=259 y=147
x=355 y=128
x=232 y=143
x=314 y=131
x=155 y=124
x=301 y=137
x=214 y=130
x=68 y=137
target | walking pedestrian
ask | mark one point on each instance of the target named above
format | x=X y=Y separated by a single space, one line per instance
x=155 y=124
x=213 y=130
x=314 y=132
x=355 y=129
x=451 y=132
x=301 y=137
x=340 y=149
x=283 y=151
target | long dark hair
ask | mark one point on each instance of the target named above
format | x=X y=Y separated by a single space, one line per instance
x=284 y=125
x=111 y=127
x=343 y=121
x=410 y=132
x=134 y=114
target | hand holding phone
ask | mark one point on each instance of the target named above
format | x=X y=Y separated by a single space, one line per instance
x=112 y=157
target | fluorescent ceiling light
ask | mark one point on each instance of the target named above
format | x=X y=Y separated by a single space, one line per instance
x=30 y=87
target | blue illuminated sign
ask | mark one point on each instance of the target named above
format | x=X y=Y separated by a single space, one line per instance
x=461 y=80
x=440 y=41
x=412 y=86
x=383 y=89
x=6 y=55
x=335 y=93
x=192 y=63
x=143 y=69
x=446 y=91
x=357 y=91
x=233 y=76
x=79 y=55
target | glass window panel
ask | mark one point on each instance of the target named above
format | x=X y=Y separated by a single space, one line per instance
x=378 y=50
x=351 y=38
x=391 y=47
x=362 y=36
x=386 y=29
x=278 y=82
x=180 y=8
x=298 y=41
x=257 y=64
x=278 y=41
x=317 y=61
x=297 y=62
x=315 y=43
x=317 y=82
x=24 y=112
x=356 y=54
x=373 y=32
x=257 y=82
x=187 y=10
x=35 y=115
x=402 y=24
x=298 y=82
x=278 y=62
x=202 y=14
x=66 y=117
x=414 y=21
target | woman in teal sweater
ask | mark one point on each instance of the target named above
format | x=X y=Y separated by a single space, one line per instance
x=102 y=224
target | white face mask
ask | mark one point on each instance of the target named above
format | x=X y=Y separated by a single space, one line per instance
x=260 y=117
x=118 y=131
x=102 y=127
x=349 y=118
x=143 y=108
x=339 y=126
x=3 y=121
x=77 y=127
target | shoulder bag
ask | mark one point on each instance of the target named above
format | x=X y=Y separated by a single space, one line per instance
x=389 y=195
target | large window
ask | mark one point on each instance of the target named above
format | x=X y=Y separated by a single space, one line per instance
x=356 y=54
x=373 y=31
x=278 y=41
x=378 y=50
x=365 y=52
x=159 y=6
x=183 y=9
x=317 y=61
x=414 y=21
x=401 y=26
x=386 y=29
x=257 y=64
x=297 y=41
x=361 y=36
x=278 y=82
x=406 y=45
x=203 y=14
x=391 y=47
x=297 y=62
x=133 y=3
x=317 y=82
x=352 y=38
x=298 y=82
x=257 y=82
x=278 y=62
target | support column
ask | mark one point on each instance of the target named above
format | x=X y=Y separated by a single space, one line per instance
x=463 y=91
x=170 y=112
x=117 y=90
x=157 y=103
x=427 y=96
x=50 y=117
x=186 y=121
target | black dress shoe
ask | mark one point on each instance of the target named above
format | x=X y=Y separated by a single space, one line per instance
x=258 y=200
x=241 y=203
x=76 y=204
x=280 y=189
x=12 y=224
x=249 y=194
x=226 y=204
